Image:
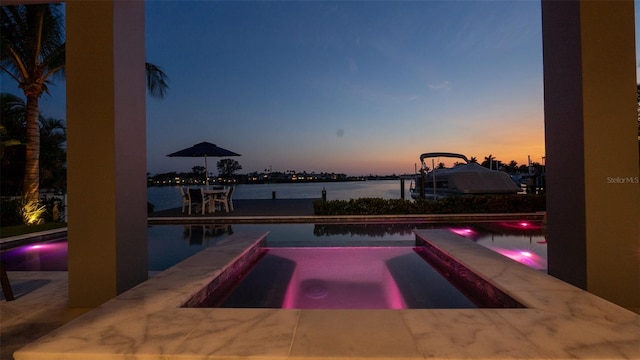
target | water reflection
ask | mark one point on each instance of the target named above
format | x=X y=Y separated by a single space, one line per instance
x=522 y=241
x=199 y=235
x=372 y=230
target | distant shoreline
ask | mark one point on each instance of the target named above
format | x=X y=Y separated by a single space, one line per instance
x=280 y=181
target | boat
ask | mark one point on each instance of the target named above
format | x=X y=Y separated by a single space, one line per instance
x=463 y=178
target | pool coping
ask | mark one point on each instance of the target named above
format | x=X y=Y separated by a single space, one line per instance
x=536 y=216
x=560 y=321
x=30 y=238
x=55 y=234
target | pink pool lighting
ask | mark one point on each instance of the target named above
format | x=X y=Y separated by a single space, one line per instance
x=521 y=225
x=522 y=241
x=466 y=232
x=331 y=278
x=51 y=256
x=525 y=257
x=378 y=277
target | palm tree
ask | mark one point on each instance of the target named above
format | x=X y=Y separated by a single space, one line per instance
x=488 y=161
x=33 y=53
x=12 y=134
x=12 y=111
x=53 y=154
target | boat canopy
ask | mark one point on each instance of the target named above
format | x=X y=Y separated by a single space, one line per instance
x=475 y=179
x=443 y=154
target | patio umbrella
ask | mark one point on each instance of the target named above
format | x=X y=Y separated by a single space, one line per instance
x=204 y=149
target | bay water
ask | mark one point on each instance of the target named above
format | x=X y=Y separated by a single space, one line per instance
x=168 y=197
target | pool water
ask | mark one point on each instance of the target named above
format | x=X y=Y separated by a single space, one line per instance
x=45 y=256
x=170 y=244
x=341 y=278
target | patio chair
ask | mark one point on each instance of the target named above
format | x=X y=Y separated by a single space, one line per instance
x=6 y=285
x=185 y=197
x=197 y=198
x=230 y=199
x=225 y=199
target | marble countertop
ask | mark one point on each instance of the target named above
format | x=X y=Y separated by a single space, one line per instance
x=147 y=322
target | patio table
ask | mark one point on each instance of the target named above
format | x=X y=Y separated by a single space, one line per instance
x=212 y=193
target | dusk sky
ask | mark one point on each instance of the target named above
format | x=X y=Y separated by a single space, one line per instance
x=352 y=87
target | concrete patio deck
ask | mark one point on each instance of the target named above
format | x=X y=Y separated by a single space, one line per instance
x=559 y=321
x=41 y=303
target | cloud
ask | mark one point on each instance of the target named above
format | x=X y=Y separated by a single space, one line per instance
x=444 y=85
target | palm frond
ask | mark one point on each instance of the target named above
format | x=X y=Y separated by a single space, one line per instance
x=11 y=102
x=157 y=81
x=32 y=38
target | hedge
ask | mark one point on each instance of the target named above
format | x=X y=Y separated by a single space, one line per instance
x=476 y=204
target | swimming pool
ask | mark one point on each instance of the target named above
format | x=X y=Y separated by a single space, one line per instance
x=170 y=244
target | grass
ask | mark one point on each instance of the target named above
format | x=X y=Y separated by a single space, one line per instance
x=8 y=231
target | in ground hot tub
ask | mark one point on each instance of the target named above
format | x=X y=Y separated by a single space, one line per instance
x=386 y=277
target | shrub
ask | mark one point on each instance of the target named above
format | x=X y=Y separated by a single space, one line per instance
x=17 y=212
x=452 y=205
x=54 y=208
x=10 y=212
x=33 y=212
